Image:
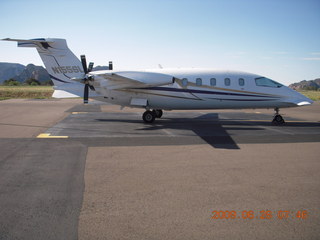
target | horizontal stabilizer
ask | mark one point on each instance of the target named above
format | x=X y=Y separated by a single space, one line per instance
x=37 y=40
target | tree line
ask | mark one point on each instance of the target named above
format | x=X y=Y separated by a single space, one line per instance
x=28 y=82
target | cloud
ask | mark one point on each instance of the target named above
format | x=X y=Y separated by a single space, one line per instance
x=311 y=59
x=313 y=56
x=266 y=58
x=238 y=54
x=281 y=53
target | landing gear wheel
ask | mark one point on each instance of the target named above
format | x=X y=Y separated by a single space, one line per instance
x=158 y=113
x=148 y=116
x=278 y=119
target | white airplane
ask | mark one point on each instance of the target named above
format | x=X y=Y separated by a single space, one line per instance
x=160 y=89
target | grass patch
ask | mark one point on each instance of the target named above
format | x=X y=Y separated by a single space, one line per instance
x=313 y=95
x=34 y=92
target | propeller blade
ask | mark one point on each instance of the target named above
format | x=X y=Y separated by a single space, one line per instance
x=86 y=78
x=84 y=63
x=90 y=66
x=110 y=65
x=86 y=93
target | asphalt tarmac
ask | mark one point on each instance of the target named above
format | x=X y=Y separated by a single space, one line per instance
x=74 y=171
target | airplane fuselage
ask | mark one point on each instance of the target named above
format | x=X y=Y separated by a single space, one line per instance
x=203 y=89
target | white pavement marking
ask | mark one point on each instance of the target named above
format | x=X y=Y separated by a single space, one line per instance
x=166 y=131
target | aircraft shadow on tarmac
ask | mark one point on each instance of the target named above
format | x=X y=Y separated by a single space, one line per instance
x=222 y=132
x=209 y=127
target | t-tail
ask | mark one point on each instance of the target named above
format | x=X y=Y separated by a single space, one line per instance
x=61 y=64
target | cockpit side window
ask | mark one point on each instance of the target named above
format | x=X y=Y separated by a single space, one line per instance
x=266 y=82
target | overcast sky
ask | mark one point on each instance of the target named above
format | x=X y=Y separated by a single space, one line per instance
x=276 y=38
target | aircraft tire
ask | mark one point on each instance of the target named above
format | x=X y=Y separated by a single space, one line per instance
x=158 y=113
x=148 y=116
x=278 y=120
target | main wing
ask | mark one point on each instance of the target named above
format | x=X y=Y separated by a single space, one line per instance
x=131 y=79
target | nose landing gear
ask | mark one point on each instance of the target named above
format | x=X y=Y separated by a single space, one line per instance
x=149 y=116
x=277 y=119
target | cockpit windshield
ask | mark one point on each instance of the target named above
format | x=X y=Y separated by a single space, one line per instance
x=266 y=82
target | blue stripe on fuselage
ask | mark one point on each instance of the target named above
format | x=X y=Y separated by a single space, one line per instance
x=192 y=91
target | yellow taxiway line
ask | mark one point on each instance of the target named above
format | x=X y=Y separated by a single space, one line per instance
x=79 y=112
x=47 y=135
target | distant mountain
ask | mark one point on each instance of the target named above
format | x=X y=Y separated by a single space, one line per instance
x=99 y=68
x=34 y=72
x=22 y=73
x=306 y=85
x=9 y=70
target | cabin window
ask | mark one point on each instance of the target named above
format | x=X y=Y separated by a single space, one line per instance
x=198 y=81
x=213 y=82
x=227 y=81
x=184 y=82
x=241 y=82
x=266 y=82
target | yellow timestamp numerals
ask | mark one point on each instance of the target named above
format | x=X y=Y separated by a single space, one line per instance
x=263 y=214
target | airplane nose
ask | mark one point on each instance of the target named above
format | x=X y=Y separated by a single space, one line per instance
x=304 y=103
x=297 y=99
x=302 y=100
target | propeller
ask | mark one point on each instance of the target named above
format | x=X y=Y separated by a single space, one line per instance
x=87 y=78
x=110 y=65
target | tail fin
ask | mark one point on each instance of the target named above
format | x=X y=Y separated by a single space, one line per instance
x=60 y=62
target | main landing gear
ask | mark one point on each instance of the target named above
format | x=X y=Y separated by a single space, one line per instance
x=278 y=119
x=149 y=116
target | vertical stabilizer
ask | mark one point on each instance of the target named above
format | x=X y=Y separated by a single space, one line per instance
x=60 y=62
